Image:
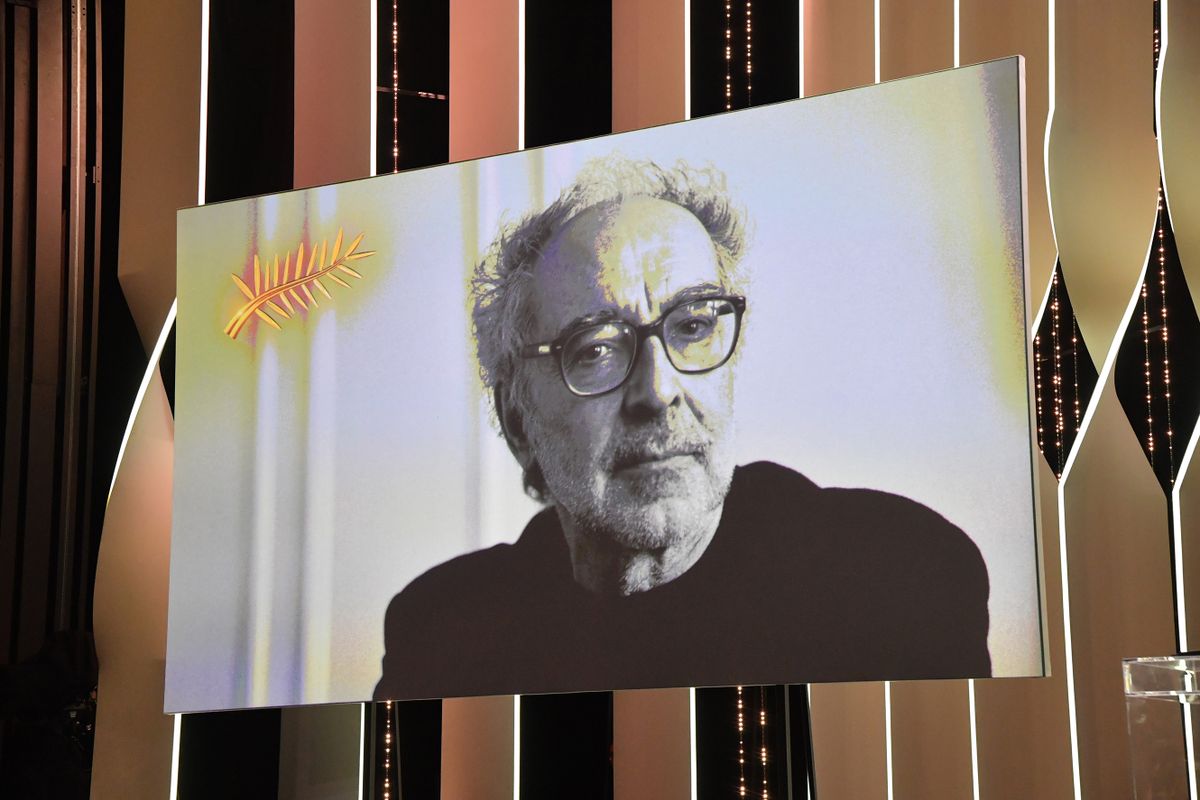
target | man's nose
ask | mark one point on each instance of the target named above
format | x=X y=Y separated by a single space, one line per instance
x=653 y=384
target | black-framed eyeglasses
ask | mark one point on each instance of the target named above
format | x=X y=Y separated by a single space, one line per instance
x=698 y=336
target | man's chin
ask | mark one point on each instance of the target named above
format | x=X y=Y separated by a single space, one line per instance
x=641 y=524
x=680 y=478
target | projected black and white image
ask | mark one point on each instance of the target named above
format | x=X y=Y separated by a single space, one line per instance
x=739 y=400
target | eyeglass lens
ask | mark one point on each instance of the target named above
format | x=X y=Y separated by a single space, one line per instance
x=699 y=336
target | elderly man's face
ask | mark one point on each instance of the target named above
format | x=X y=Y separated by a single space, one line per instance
x=645 y=463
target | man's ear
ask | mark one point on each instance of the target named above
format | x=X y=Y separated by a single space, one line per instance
x=512 y=425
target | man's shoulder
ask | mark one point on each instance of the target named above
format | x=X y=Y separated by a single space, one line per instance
x=481 y=576
x=851 y=520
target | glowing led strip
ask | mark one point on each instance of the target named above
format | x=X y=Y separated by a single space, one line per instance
x=876 y=34
x=887 y=724
x=693 y=764
x=520 y=74
x=958 y=61
x=687 y=68
x=973 y=723
x=175 y=756
x=801 y=32
x=516 y=788
x=374 y=96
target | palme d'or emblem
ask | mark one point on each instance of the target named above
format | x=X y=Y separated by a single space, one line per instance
x=273 y=287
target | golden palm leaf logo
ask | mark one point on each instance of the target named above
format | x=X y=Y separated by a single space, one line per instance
x=273 y=287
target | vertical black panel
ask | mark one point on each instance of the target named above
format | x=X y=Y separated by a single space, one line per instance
x=774 y=55
x=120 y=357
x=568 y=70
x=250 y=98
x=411 y=760
x=233 y=755
x=566 y=746
x=728 y=759
x=420 y=132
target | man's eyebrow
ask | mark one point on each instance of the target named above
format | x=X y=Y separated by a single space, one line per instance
x=609 y=314
x=692 y=293
x=595 y=317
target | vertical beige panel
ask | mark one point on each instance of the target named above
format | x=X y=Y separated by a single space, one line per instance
x=484 y=80
x=915 y=36
x=989 y=30
x=1119 y=574
x=159 y=169
x=477 y=748
x=849 y=741
x=1023 y=734
x=1179 y=132
x=931 y=740
x=333 y=95
x=159 y=151
x=1103 y=158
x=839 y=45
x=647 y=63
x=931 y=724
x=319 y=752
x=132 y=757
x=652 y=744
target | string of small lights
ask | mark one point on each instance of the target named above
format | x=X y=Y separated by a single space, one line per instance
x=395 y=86
x=728 y=54
x=1057 y=377
x=749 y=58
x=1166 y=362
x=1149 y=388
x=741 y=729
x=1074 y=368
x=387 y=752
x=762 y=739
x=1037 y=391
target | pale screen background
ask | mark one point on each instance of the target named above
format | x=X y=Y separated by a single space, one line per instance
x=319 y=468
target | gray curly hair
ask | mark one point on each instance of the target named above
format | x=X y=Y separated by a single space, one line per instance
x=500 y=312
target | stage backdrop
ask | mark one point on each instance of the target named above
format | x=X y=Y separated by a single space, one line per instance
x=337 y=442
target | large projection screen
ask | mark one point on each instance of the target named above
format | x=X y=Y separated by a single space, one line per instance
x=767 y=373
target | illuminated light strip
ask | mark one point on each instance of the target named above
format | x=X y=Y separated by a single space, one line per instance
x=877 y=50
x=973 y=719
x=374 y=97
x=151 y=368
x=694 y=763
x=687 y=76
x=801 y=15
x=517 y=728
x=362 y=717
x=887 y=714
x=958 y=63
x=520 y=74
x=174 y=795
x=808 y=777
x=202 y=159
